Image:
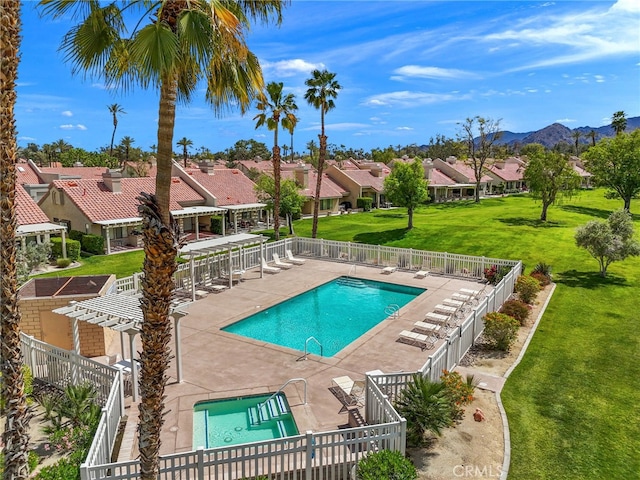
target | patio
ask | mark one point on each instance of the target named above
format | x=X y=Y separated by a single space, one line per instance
x=216 y=364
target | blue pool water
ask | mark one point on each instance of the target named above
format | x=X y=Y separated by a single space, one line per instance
x=336 y=314
x=233 y=421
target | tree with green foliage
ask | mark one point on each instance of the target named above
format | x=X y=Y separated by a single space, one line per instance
x=609 y=241
x=615 y=164
x=291 y=201
x=531 y=149
x=426 y=407
x=479 y=134
x=323 y=88
x=174 y=47
x=276 y=109
x=383 y=156
x=248 y=150
x=619 y=122
x=550 y=176
x=406 y=187
x=385 y=464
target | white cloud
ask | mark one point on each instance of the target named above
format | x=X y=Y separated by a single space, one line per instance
x=288 y=68
x=599 y=78
x=404 y=128
x=71 y=126
x=27 y=139
x=416 y=71
x=566 y=120
x=67 y=113
x=406 y=98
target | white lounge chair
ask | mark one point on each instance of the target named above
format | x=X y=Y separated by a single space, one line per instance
x=413 y=338
x=292 y=259
x=388 y=270
x=437 y=317
x=461 y=297
x=349 y=392
x=207 y=284
x=421 y=274
x=453 y=303
x=429 y=328
x=267 y=269
x=280 y=264
x=445 y=309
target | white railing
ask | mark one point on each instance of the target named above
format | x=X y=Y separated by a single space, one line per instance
x=59 y=367
x=326 y=455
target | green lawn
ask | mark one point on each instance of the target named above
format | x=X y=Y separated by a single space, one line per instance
x=573 y=402
x=120 y=264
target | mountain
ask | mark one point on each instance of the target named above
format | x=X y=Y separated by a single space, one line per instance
x=557 y=133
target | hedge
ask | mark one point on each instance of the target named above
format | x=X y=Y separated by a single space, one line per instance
x=364 y=203
x=93 y=244
x=216 y=225
x=73 y=248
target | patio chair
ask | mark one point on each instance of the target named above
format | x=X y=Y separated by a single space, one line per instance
x=429 y=328
x=425 y=342
x=279 y=263
x=292 y=259
x=349 y=392
x=389 y=270
x=421 y=274
x=437 y=317
x=208 y=284
x=267 y=269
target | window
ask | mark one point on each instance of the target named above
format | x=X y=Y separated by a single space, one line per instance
x=326 y=204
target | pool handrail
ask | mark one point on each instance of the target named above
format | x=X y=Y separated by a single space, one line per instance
x=260 y=405
x=306 y=344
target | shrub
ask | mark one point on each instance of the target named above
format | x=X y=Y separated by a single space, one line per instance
x=459 y=391
x=364 y=203
x=543 y=268
x=385 y=464
x=426 y=407
x=216 y=225
x=76 y=235
x=93 y=244
x=496 y=273
x=500 y=330
x=542 y=279
x=63 y=262
x=73 y=248
x=527 y=288
x=516 y=309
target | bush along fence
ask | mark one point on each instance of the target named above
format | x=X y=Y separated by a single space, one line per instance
x=310 y=456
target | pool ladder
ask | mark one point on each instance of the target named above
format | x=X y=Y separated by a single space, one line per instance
x=304 y=380
x=306 y=345
x=392 y=310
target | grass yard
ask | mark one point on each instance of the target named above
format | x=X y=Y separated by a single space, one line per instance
x=121 y=265
x=573 y=402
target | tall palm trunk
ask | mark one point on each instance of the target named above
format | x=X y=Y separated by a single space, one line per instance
x=113 y=135
x=161 y=234
x=15 y=436
x=321 y=156
x=276 y=182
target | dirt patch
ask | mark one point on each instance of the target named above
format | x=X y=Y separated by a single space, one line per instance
x=476 y=449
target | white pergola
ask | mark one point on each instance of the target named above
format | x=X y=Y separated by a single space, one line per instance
x=247 y=207
x=122 y=313
x=227 y=244
x=39 y=229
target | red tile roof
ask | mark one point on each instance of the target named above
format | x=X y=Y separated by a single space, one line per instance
x=510 y=172
x=26 y=175
x=468 y=172
x=99 y=203
x=82 y=172
x=365 y=178
x=27 y=210
x=328 y=189
x=229 y=185
x=439 y=178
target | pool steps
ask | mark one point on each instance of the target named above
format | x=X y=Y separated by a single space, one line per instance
x=272 y=409
x=351 y=282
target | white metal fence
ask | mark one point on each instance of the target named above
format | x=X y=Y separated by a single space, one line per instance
x=311 y=456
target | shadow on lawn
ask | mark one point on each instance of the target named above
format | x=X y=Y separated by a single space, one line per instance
x=573 y=278
x=381 y=238
x=593 y=212
x=528 y=222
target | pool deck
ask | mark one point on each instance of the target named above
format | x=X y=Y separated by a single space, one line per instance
x=218 y=364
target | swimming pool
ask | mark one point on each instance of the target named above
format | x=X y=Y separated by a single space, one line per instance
x=233 y=421
x=335 y=313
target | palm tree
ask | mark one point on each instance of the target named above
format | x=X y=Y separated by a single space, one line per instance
x=323 y=88
x=619 y=122
x=126 y=143
x=15 y=437
x=592 y=135
x=174 y=45
x=312 y=147
x=114 y=109
x=185 y=143
x=276 y=109
x=576 y=135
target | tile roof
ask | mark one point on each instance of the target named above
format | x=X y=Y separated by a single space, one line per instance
x=438 y=178
x=25 y=174
x=328 y=189
x=468 y=172
x=82 y=172
x=27 y=210
x=229 y=185
x=510 y=172
x=98 y=203
x=365 y=178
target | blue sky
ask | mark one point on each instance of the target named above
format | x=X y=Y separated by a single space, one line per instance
x=408 y=69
